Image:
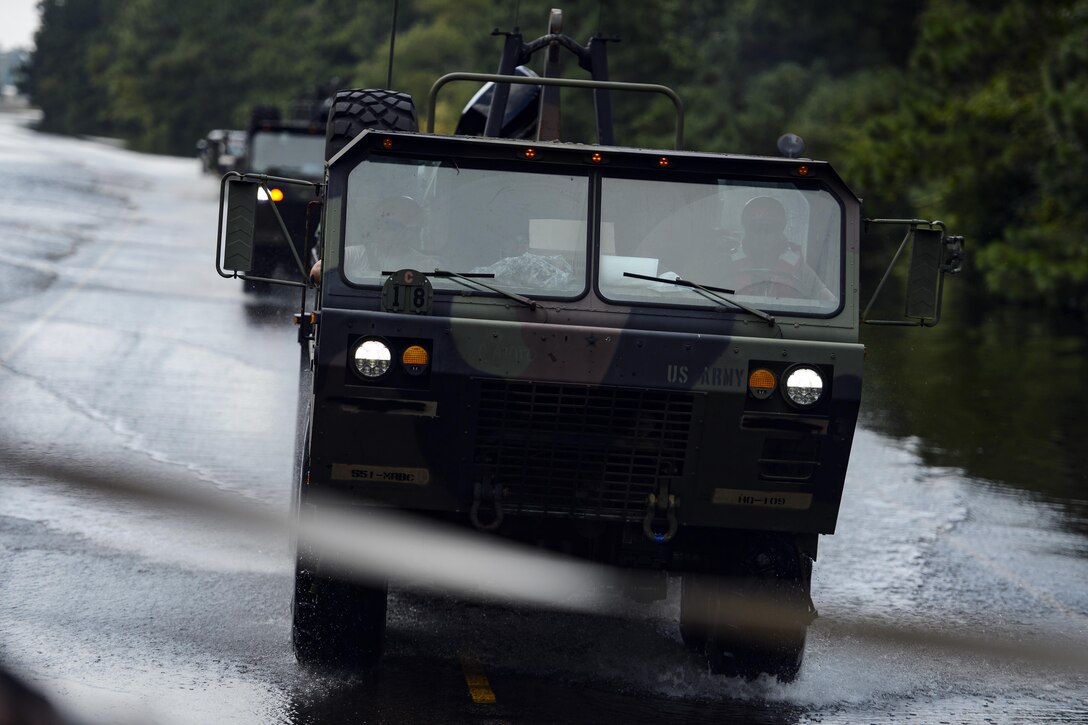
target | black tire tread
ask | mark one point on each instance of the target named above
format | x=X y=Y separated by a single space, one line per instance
x=336 y=623
x=355 y=111
x=774 y=569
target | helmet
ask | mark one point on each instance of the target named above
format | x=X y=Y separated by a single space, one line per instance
x=765 y=214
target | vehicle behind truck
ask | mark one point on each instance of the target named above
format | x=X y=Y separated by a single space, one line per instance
x=646 y=358
x=285 y=221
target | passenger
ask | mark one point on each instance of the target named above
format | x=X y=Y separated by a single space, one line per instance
x=767 y=263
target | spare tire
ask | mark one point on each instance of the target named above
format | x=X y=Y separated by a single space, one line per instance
x=355 y=111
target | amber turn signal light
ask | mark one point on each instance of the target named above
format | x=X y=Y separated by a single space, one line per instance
x=761 y=383
x=415 y=359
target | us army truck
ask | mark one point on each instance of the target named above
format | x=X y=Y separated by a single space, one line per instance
x=647 y=358
x=285 y=215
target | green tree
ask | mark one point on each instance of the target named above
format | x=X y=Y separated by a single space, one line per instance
x=62 y=75
x=999 y=116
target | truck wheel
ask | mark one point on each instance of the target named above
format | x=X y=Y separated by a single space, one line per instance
x=695 y=600
x=355 y=111
x=772 y=572
x=336 y=623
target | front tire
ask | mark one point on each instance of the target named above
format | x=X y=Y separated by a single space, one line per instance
x=750 y=574
x=335 y=622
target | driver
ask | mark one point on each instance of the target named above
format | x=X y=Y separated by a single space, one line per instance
x=391 y=242
x=767 y=263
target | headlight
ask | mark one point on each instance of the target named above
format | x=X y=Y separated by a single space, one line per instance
x=371 y=358
x=262 y=195
x=804 y=385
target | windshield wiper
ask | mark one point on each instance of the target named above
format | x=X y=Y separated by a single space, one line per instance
x=715 y=294
x=471 y=278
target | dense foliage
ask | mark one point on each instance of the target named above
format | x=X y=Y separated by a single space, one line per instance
x=975 y=110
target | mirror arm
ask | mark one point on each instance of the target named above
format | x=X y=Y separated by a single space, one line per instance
x=303 y=272
x=887 y=274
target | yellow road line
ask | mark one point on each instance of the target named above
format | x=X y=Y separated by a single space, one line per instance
x=81 y=282
x=479 y=689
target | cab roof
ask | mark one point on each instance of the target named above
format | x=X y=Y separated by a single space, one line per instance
x=535 y=153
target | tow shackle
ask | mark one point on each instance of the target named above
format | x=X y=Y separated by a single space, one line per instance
x=492 y=494
x=653 y=506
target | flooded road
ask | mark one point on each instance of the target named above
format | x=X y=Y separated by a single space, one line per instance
x=121 y=349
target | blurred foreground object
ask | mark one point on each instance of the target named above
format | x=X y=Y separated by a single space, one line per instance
x=22 y=705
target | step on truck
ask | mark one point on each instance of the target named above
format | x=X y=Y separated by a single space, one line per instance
x=646 y=358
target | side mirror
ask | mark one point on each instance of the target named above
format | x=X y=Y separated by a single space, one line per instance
x=239 y=249
x=933 y=254
x=241 y=217
x=924 y=274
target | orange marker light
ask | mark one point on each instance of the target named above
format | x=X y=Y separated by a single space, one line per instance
x=275 y=194
x=802 y=170
x=663 y=161
x=596 y=157
x=529 y=153
x=761 y=383
x=415 y=355
x=415 y=360
x=387 y=143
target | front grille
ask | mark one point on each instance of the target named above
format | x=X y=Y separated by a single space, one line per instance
x=577 y=450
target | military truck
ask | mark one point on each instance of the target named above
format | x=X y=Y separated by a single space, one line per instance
x=207 y=150
x=222 y=150
x=647 y=358
x=286 y=220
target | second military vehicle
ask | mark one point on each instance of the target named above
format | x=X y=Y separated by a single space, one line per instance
x=222 y=150
x=284 y=225
x=648 y=358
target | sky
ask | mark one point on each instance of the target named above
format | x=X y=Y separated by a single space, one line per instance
x=18 y=21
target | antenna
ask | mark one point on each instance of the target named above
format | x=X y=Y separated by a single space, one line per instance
x=392 y=43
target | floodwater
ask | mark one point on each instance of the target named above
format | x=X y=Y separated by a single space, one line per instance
x=121 y=349
x=1000 y=393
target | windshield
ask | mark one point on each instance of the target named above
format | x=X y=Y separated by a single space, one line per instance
x=526 y=229
x=287 y=154
x=776 y=244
